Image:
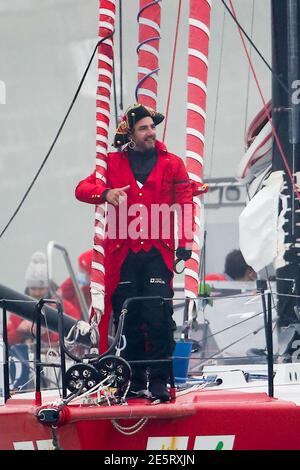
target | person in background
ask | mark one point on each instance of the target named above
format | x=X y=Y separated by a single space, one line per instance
x=21 y=333
x=236 y=269
x=36 y=286
x=67 y=290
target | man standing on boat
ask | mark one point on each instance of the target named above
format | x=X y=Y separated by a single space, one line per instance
x=144 y=181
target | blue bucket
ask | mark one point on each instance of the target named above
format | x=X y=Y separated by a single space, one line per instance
x=181 y=357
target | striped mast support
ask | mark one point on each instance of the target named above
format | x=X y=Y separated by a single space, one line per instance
x=199 y=32
x=107 y=13
x=148 y=52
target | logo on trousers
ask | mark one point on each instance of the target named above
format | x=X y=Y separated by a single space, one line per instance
x=156 y=280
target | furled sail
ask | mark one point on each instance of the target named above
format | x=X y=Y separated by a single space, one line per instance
x=148 y=52
x=199 y=23
x=107 y=11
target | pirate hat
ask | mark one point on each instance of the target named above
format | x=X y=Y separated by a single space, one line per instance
x=132 y=115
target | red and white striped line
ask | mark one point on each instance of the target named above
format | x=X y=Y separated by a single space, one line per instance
x=107 y=13
x=148 y=52
x=199 y=33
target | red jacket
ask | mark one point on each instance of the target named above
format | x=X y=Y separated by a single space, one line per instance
x=168 y=183
x=216 y=277
x=67 y=292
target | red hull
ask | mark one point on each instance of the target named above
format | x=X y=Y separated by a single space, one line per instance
x=198 y=420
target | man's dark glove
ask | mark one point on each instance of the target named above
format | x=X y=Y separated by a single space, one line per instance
x=183 y=254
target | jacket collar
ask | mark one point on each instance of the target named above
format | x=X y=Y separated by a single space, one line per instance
x=161 y=147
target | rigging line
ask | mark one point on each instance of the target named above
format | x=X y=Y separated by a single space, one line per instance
x=202 y=265
x=115 y=94
x=51 y=348
x=172 y=69
x=236 y=324
x=216 y=299
x=217 y=97
x=267 y=174
x=57 y=134
x=270 y=288
x=201 y=275
x=233 y=16
x=254 y=332
x=249 y=71
x=224 y=358
x=121 y=105
x=294 y=296
x=249 y=296
x=268 y=114
x=247 y=186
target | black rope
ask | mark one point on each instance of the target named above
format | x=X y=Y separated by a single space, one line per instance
x=249 y=71
x=121 y=105
x=57 y=135
x=256 y=49
x=142 y=80
x=203 y=262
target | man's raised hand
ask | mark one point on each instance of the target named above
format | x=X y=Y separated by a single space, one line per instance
x=117 y=195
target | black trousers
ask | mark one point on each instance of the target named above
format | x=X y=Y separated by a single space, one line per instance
x=148 y=325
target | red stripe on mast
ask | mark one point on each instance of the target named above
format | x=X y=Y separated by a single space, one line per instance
x=148 y=52
x=107 y=11
x=199 y=23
